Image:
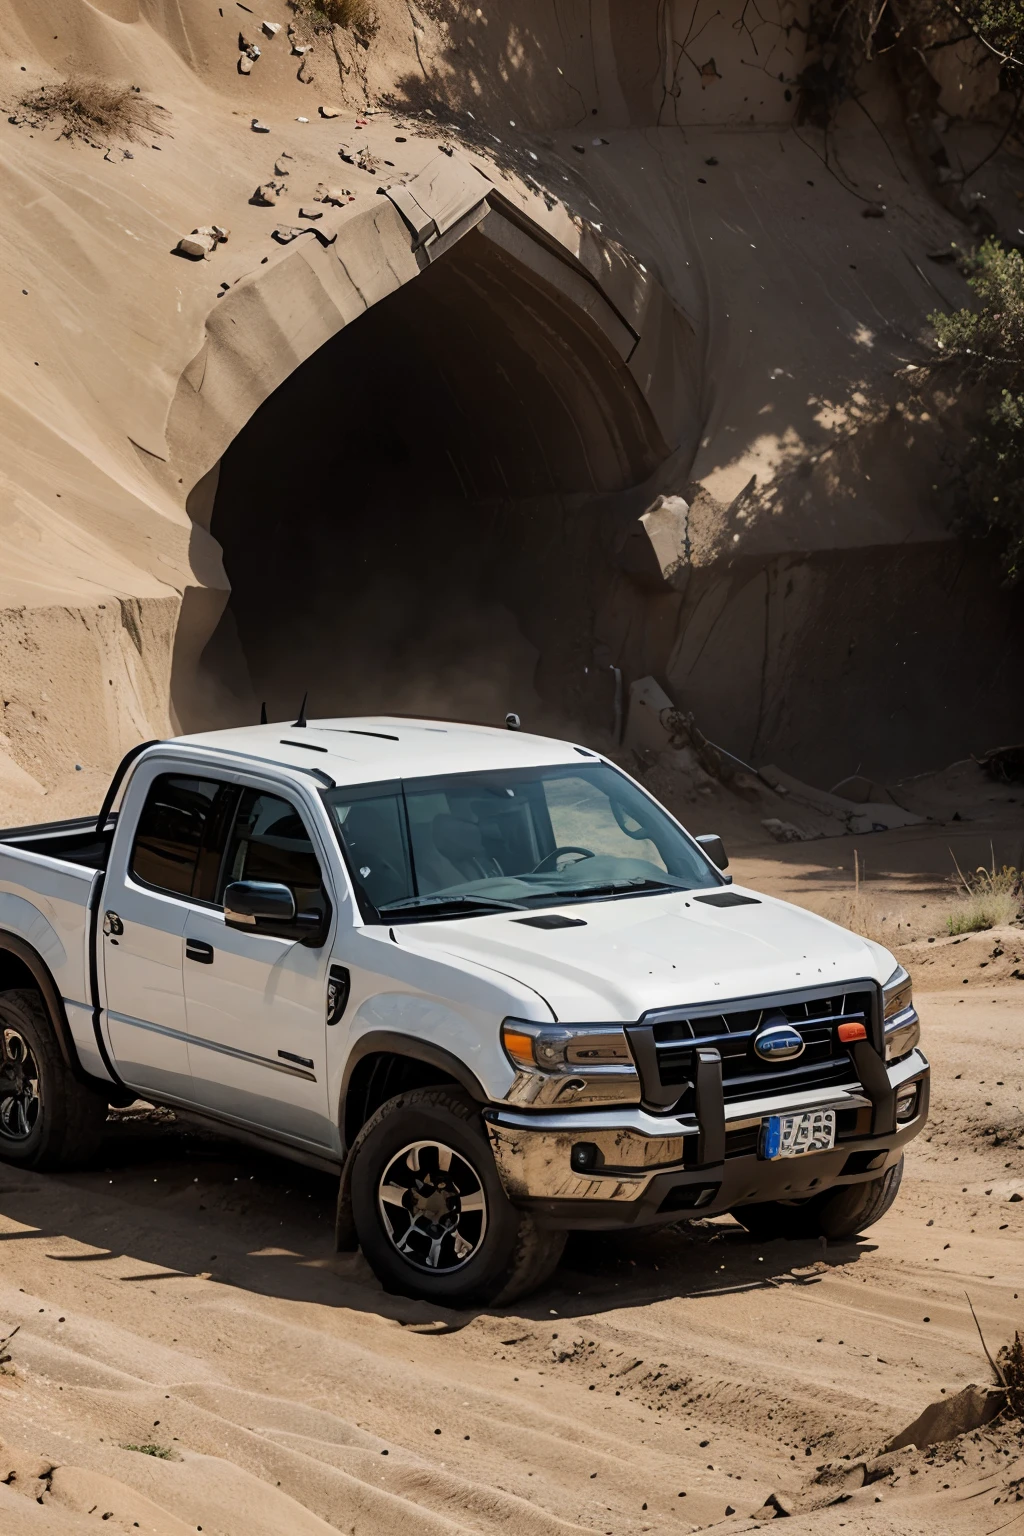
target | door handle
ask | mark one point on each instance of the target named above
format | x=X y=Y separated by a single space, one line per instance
x=196 y=950
x=112 y=925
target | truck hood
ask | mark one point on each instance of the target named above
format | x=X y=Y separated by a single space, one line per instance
x=644 y=952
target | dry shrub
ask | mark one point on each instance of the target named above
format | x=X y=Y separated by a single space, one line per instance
x=1011 y=1366
x=357 y=16
x=873 y=917
x=990 y=898
x=94 y=110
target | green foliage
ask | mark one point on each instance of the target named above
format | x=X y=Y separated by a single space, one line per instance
x=987 y=345
x=842 y=35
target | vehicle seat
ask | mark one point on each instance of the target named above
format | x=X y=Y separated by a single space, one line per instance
x=460 y=841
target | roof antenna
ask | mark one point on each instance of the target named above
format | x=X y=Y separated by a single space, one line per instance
x=301 y=721
x=513 y=723
x=263 y=713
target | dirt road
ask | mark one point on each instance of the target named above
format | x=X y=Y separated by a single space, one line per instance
x=183 y=1295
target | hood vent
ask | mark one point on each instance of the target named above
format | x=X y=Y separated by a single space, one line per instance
x=551 y=920
x=728 y=899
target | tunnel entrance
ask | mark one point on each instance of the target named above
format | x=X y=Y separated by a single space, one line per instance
x=405 y=521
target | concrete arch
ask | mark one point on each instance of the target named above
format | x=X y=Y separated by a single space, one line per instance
x=546 y=364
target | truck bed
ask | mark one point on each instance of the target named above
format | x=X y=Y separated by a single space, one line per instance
x=73 y=842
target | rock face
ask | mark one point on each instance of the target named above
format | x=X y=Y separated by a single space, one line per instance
x=684 y=460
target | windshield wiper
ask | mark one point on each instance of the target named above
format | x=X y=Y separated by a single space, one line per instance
x=610 y=887
x=481 y=903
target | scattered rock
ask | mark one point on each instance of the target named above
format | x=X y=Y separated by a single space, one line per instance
x=330 y=112
x=952 y=1416
x=334 y=195
x=1016 y=1198
x=783 y=831
x=267 y=195
x=301 y=49
x=250 y=49
x=311 y=213
x=285 y=233
x=244 y=64
x=305 y=76
x=217 y=231
x=258 y=127
x=271 y=28
x=279 y=168
x=115 y=156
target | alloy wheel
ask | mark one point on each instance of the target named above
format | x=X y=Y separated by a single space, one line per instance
x=20 y=1103
x=433 y=1206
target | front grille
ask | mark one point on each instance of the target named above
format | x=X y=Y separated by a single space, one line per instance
x=824 y=1063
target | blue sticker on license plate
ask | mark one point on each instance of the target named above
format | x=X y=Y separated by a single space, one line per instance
x=808 y=1130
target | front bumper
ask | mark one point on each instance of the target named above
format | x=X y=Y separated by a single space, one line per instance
x=638 y=1169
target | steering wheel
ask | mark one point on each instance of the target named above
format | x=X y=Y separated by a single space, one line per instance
x=620 y=813
x=550 y=860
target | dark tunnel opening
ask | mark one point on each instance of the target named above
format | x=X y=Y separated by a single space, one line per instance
x=408 y=521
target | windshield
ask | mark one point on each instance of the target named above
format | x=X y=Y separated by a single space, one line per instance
x=456 y=845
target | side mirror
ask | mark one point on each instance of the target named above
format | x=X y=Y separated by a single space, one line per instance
x=714 y=848
x=260 y=906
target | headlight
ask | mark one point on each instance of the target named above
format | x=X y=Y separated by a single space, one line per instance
x=569 y=1064
x=898 y=992
x=902 y=1025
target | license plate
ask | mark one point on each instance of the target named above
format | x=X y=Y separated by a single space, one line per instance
x=810 y=1130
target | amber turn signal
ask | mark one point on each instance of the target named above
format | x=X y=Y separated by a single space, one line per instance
x=850 y=1032
x=518 y=1047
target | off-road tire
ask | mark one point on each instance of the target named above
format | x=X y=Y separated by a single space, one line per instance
x=70 y=1114
x=835 y=1214
x=515 y=1255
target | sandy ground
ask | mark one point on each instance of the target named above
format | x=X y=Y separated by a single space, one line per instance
x=183 y=1294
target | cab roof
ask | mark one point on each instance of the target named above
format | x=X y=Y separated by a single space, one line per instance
x=364 y=749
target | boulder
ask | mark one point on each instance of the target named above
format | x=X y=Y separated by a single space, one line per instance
x=951 y=1416
x=330 y=111
x=244 y=64
x=645 y=727
x=258 y=127
x=311 y=213
x=656 y=551
x=267 y=195
x=271 y=28
x=197 y=245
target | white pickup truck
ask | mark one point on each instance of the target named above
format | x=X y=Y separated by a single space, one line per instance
x=481 y=974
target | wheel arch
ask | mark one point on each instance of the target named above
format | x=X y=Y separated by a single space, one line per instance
x=22 y=966
x=382 y=1063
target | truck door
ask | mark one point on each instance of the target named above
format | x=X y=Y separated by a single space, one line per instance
x=145 y=908
x=256 y=1005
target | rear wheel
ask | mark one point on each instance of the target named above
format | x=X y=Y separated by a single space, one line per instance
x=48 y=1119
x=835 y=1214
x=430 y=1212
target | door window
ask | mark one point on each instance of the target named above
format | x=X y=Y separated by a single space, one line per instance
x=174 y=825
x=269 y=842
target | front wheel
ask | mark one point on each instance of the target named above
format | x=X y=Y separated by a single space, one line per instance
x=836 y=1214
x=430 y=1212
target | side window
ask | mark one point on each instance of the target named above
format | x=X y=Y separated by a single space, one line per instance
x=269 y=842
x=172 y=828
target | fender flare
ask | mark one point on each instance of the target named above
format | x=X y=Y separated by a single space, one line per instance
x=391 y=1043
x=34 y=962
